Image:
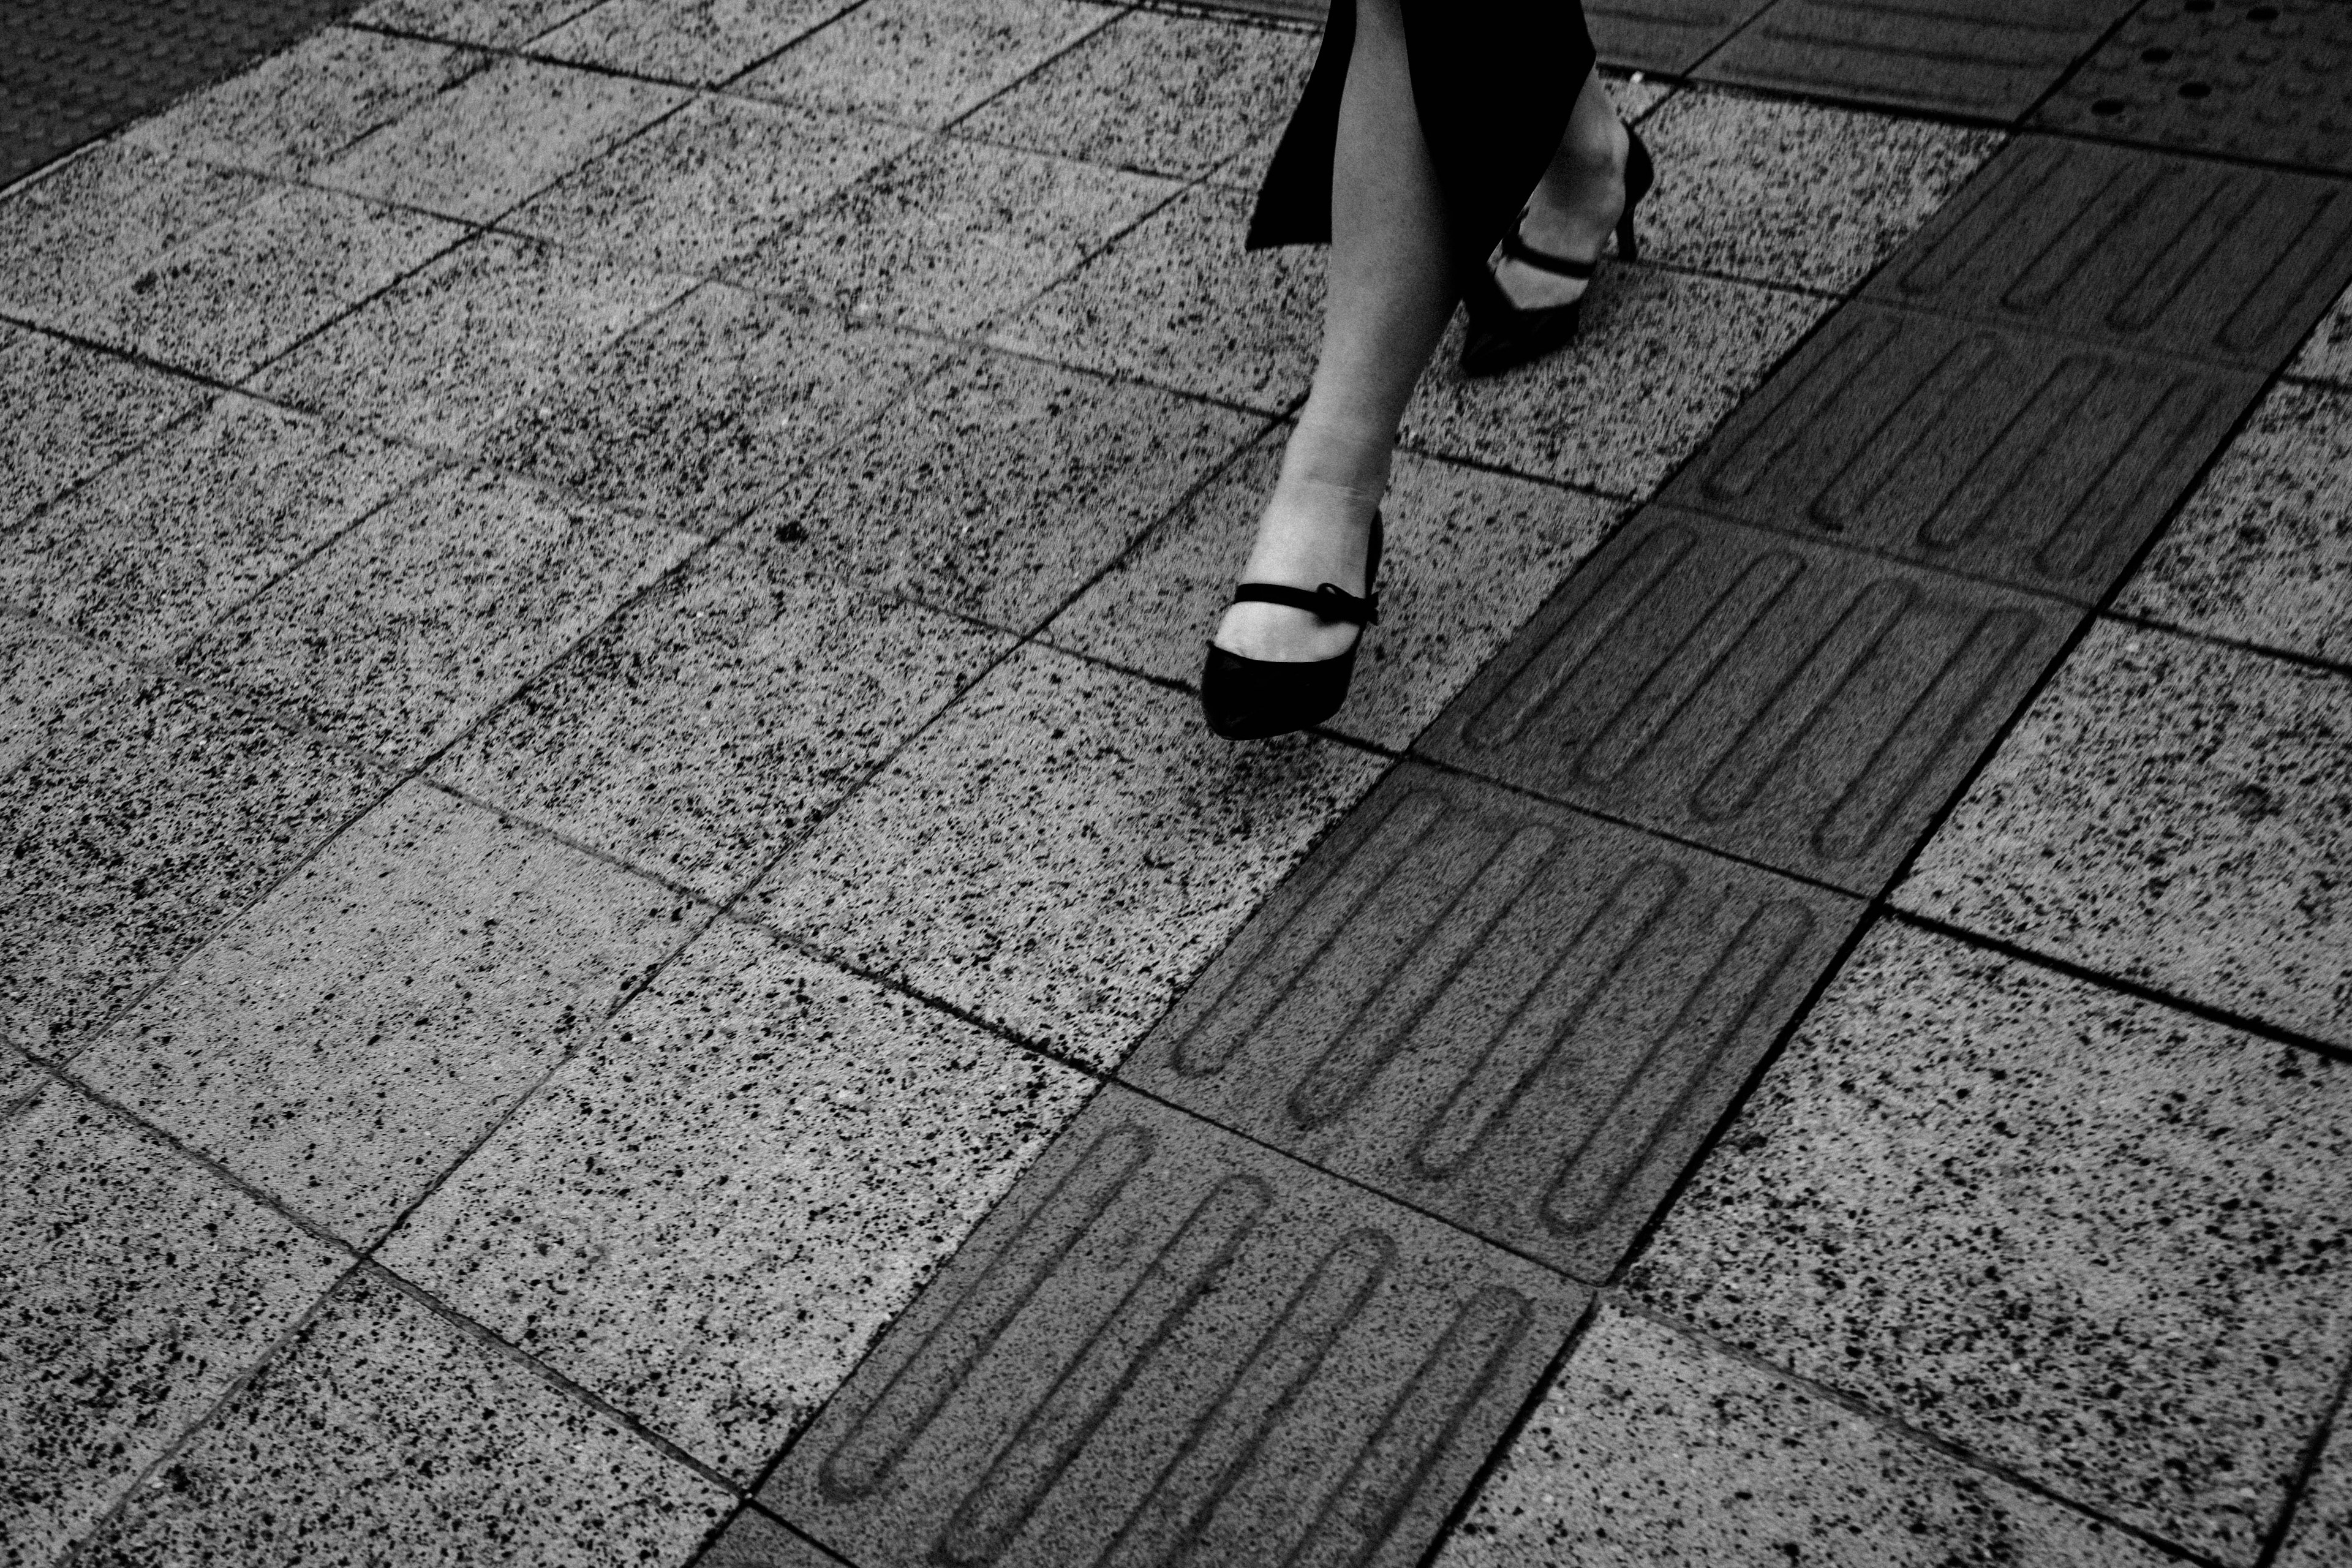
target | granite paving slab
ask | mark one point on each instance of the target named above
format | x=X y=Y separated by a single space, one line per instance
x=444 y=355
x=1990 y=59
x=2135 y=249
x=708 y=186
x=346 y=1041
x=952 y=235
x=1176 y=302
x=68 y=412
x=1799 y=194
x=2034 y=461
x=382 y=1425
x=491 y=23
x=1169 y=1339
x=1060 y=853
x=2082 y=1234
x=698 y=412
x=1763 y=1469
x=141 y=814
x=102 y=216
x=1768 y=696
x=1509 y=1015
x=2322 y=1532
x=1670 y=36
x=2264 y=81
x=1663 y=356
x=429 y=614
x=1467 y=556
x=703 y=42
x=2327 y=353
x=1170 y=95
x=2262 y=552
x=140 y=1287
x=713 y=723
x=238 y=294
x=498 y=137
x=297 y=109
x=924 y=63
x=1001 y=487
x=755 y=1540
x=710 y=1214
x=2169 y=813
x=150 y=552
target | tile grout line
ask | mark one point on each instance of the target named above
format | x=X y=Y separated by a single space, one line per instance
x=2314 y=1454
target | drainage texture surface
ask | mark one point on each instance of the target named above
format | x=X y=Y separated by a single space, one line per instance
x=1499 y=1011
x=1989 y=57
x=2270 y=81
x=1166 y=1340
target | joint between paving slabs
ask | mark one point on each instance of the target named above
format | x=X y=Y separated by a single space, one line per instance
x=2306 y=1470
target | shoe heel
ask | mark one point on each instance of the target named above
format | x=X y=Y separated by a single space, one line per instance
x=1629 y=248
x=1640 y=176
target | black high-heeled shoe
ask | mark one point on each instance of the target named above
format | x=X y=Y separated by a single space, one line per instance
x=1502 y=335
x=1256 y=699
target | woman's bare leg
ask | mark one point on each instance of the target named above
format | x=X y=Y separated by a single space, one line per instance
x=1390 y=296
x=1576 y=204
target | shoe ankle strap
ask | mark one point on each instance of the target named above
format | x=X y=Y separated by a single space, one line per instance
x=1329 y=602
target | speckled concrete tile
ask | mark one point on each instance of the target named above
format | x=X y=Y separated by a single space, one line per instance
x=140 y=1287
x=1174 y=95
x=299 y=109
x=1779 y=192
x=707 y=407
x=434 y=609
x=101 y=216
x=344 y=1042
x=711 y=185
x=1001 y=487
x=141 y=814
x=952 y=235
x=66 y=412
x=716 y=719
x=1179 y=302
x=2262 y=552
x=1763 y=1470
x=753 y=1539
x=922 y=63
x=2174 y=814
x=148 y=554
x=2327 y=353
x=609 y=1229
x=1468 y=556
x=701 y=41
x=384 y=1432
x=1664 y=356
x=2086 y=1237
x=444 y=355
x=1061 y=851
x=236 y=296
x=498 y=137
x=2321 y=1536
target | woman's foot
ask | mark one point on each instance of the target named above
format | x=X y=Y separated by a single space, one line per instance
x=1316 y=528
x=1574 y=207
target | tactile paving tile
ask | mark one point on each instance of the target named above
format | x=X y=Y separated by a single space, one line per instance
x=2146 y=250
x=1664 y=34
x=1171 y=1344
x=1771 y=696
x=1988 y=58
x=1502 y=1012
x=2042 y=463
x=751 y=1540
x=2270 y=81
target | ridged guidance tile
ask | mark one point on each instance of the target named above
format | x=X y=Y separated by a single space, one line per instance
x=1170 y=1343
x=1504 y=1013
x=1669 y=35
x=2042 y=464
x=1770 y=696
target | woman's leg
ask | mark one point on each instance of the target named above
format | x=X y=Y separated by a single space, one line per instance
x=1390 y=296
x=1576 y=204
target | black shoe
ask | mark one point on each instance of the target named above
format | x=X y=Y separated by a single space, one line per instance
x=1502 y=336
x=1254 y=699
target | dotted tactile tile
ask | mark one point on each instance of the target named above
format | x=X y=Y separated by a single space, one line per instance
x=1770 y=696
x=1168 y=1343
x=2270 y=81
x=1988 y=57
x=2145 y=250
x=1504 y=1013
x=1664 y=34
x=2041 y=463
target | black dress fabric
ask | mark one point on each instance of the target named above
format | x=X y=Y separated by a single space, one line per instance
x=1492 y=82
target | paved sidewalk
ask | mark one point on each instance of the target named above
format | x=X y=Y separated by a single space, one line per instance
x=625 y=944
